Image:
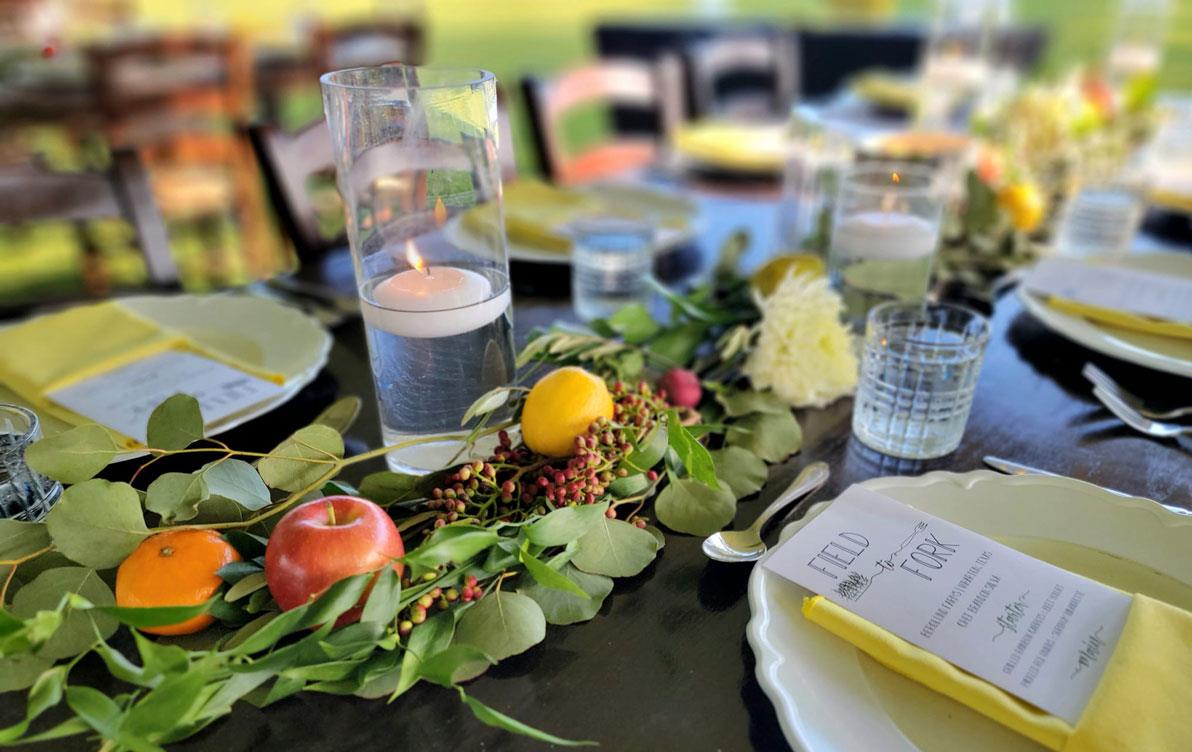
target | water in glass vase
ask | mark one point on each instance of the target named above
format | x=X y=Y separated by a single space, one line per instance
x=877 y=257
x=429 y=366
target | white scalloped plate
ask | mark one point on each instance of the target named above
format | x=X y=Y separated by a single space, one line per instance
x=830 y=697
x=255 y=330
x=1166 y=354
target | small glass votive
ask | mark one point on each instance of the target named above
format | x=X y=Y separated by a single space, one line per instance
x=918 y=373
x=884 y=236
x=24 y=494
x=611 y=261
x=1100 y=219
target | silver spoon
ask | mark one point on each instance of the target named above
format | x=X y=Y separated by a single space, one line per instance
x=747 y=545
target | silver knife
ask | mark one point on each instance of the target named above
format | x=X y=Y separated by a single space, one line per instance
x=1009 y=467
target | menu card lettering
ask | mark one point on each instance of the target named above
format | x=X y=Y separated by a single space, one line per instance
x=124 y=397
x=1037 y=631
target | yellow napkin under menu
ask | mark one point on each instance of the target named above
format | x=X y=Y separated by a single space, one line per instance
x=1122 y=319
x=1138 y=705
x=53 y=351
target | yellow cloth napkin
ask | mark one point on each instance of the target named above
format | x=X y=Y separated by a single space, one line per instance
x=53 y=351
x=734 y=146
x=1134 y=322
x=534 y=214
x=1138 y=705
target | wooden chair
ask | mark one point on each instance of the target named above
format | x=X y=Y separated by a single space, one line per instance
x=622 y=83
x=743 y=75
x=367 y=43
x=177 y=100
x=30 y=193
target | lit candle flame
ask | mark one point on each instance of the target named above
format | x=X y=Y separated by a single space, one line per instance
x=440 y=212
x=889 y=198
x=414 y=259
x=895 y=177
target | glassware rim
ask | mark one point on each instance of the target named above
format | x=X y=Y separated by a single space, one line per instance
x=468 y=76
x=32 y=417
x=979 y=339
x=848 y=182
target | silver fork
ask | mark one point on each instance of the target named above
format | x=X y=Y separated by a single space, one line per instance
x=1141 y=423
x=1101 y=379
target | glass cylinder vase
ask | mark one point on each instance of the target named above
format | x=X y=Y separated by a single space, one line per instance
x=418 y=168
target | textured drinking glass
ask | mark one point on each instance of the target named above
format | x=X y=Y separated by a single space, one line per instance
x=24 y=494
x=610 y=263
x=918 y=373
x=1100 y=220
x=884 y=236
x=417 y=165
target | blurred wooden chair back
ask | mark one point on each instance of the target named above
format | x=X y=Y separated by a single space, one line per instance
x=366 y=43
x=30 y=192
x=289 y=162
x=620 y=83
x=746 y=74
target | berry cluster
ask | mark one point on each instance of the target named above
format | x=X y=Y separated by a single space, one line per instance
x=515 y=482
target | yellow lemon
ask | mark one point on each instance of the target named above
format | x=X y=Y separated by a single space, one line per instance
x=560 y=408
x=1024 y=204
x=767 y=279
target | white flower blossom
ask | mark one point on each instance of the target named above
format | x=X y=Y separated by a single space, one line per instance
x=804 y=351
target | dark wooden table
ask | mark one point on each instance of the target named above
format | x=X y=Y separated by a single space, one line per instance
x=665 y=665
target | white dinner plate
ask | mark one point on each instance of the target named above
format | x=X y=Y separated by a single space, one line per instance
x=1166 y=354
x=257 y=331
x=831 y=697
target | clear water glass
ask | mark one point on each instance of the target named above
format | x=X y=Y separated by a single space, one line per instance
x=611 y=261
x=24 y=494
x=818 y=159
x=918 y=374
x=1100 y=220
x=417 y=160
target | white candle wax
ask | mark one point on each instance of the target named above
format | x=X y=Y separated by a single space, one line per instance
x=883 y=235
x=440 y=302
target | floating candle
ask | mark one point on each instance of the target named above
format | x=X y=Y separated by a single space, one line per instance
x=883 y=235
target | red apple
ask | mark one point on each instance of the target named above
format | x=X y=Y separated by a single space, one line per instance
x=320 y=542
x=682 y=387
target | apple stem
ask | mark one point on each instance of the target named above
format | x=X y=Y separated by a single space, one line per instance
x=330 y=514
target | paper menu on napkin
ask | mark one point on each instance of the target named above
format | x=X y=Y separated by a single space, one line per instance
x=1114 y=288
x=1037 y=631
x=123 y=397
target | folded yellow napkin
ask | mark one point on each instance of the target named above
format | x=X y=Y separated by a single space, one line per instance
x=1122 y=319
x=53 y=351
x=734 y=146
x=534 y=214
x=1139 y=704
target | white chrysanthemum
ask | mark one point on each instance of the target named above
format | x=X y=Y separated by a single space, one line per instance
x=804 y=352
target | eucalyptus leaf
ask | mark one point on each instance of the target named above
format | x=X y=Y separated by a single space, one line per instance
x=302 y=459
x=561 y=607
x=694 y=456
x=614 y=548
x=678 y=344
x=772 y=437
x=634 y=323
x=341 y=414
x=452 y=543
x=19 y=539
x=238 y=481
x=565 y=524
x=486 y=403
x=648 y=451
x=176 y=496
x=80 y=628
x=630 y=485
x=688 y=506
x=744 y=472
x=176 y=423
x=502 y=624
x=97 y=523
x=457 y=663
x=21 y=671
x=740 y=402
x=386 y=487
x=74 y=455
x=547 y=577
x=658 y=536
x=496 y=719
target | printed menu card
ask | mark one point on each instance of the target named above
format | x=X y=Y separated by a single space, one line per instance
x=1114 y=288
x=123 y=397
x=1037 y=631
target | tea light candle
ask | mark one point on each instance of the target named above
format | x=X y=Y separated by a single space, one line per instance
x=883 y=235
x=436 y=301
